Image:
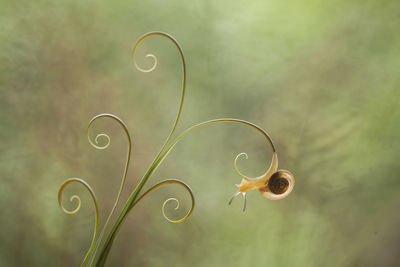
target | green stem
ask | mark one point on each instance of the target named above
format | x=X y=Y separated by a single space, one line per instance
x=264 y=133
x=103 y=256
x=157 y=161
x=110 y=238
x=175 y=42
x=128 y=157
x=108 y=242
x=152 y=167
x=75 y=197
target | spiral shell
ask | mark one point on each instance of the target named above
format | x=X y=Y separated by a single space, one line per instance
x=279 y=185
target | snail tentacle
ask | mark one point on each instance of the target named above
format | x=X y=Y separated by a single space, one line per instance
x=245 y=201
x=233 y=197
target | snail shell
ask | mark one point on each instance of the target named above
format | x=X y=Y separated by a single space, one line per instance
x=278 y=186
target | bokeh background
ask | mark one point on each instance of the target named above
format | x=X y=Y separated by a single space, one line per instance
x=322 y=77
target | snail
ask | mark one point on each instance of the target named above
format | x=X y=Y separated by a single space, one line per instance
x=274 y=184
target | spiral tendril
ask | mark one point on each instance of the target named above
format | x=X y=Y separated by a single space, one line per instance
x=259 y=129
x=235 y=164
x=96 y=145
x=146 y=70
x=96 y=142
x=93 y=196
x=128 y=157
x=165 y=182
x=76 y=209
x=176 y=44
x=165 y=203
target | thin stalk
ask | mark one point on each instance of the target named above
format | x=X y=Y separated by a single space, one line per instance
x=157 y=161
x=150 y=170
x=75 y=197
x=128 y=157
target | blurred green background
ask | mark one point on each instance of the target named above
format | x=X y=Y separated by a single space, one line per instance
x=322 y=77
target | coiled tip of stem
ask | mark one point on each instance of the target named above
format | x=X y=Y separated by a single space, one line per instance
x=96 y=145
x=163 y=183
x=235 y=164
x=145 y=70
x=74 y=210
x=176 y=208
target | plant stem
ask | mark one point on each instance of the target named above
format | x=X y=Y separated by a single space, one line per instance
x=156 y=162
x=108 y=242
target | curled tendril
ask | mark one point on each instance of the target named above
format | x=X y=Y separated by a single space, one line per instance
x=76 y=209
x=224 y=120
x=128 y=157
x=165 y=182
x=95 y=144
x=165 y=203
x=93 y=196
x=235 y=163
x=175 y=42
x=144 y=70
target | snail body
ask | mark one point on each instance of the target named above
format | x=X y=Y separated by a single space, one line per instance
x=248 y=184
